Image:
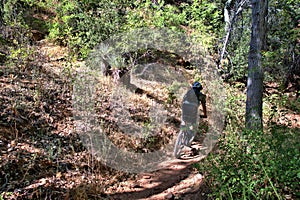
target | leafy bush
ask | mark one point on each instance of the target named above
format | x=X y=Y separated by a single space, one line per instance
x=283 y=50
x=205 y=15
x=15 y=33
x=155 y=14
x=254 y=165
x=199 y=18
x=81 y=25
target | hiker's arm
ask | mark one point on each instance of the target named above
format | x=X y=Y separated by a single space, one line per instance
x=203 y=103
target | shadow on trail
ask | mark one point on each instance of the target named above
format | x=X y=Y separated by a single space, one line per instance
x=159 y=184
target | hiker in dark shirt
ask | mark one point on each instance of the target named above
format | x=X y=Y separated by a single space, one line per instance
x=190 y=104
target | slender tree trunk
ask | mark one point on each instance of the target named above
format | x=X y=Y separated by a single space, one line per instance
x=255 y=72
x=229 y=19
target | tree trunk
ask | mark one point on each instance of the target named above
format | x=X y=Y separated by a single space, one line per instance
x=255 y=72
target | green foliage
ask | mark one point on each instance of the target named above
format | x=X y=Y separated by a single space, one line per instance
x=238 y=47
x=205 y=18
x=281 y=42
x=234 y=102
x=81 y=25
x=150 y=14
x=20 y=55
x=5 y=195
x=15 y=34
x=254 y=165
x=205 y=15
x=13 y=11
x=282 y=38
x=200 y=18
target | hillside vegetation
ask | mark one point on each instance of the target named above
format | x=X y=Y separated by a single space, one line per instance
x=45 y=45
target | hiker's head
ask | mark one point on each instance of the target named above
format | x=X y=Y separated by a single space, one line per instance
x=197 y=86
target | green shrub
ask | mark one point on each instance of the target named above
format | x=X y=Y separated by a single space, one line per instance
x=82 y=25
x=150 y=14
x=254 y=165
x=15 y=33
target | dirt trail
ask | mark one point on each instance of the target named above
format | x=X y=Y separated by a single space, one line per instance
x=177 y=179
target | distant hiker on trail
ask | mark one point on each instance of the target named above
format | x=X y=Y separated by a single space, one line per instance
x=189 y=118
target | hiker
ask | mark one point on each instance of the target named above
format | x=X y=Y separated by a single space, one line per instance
x=190 y=104
x=189 y=118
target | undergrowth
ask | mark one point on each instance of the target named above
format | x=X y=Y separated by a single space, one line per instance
x=254 y=165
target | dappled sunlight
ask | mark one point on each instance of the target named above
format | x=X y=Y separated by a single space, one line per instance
x=91 y=99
